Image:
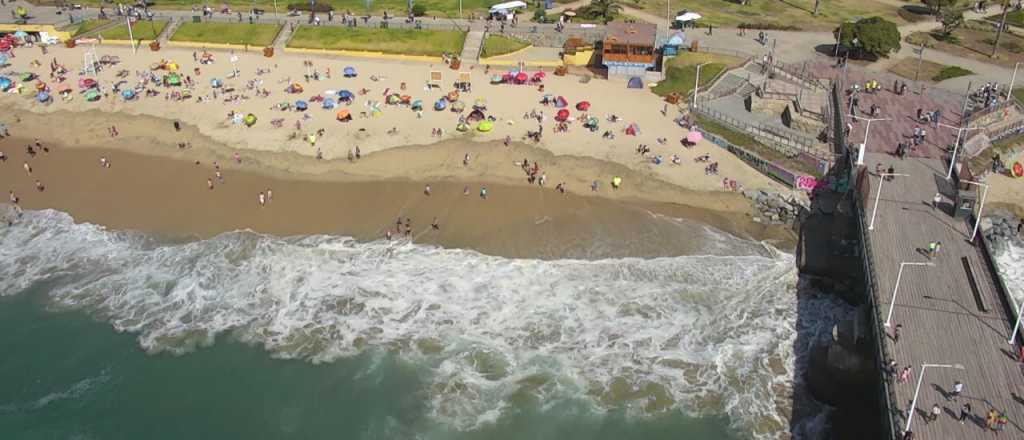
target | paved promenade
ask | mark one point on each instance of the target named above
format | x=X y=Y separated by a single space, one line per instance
x=950 y=313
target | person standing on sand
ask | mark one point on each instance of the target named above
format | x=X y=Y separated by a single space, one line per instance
x=426 y=190
x=434 y=225
x=209 y=184
x=270 y=195
x=39 y=186
x=220 y=177
x=263 y=200
x=387 y=235
x=13 y=197
x=3 y=157
x=483 y=192
x=465 y=160
x=28 y=168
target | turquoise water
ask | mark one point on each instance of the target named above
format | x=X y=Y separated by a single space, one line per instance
x=68 y=376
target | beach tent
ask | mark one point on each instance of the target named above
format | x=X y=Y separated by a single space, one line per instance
x=301 y=105
x=250 y=120
x=480 y=104
x=344 y=115
x=462 y=127
x=694 y=136
x=689 y=16
x=346 y=95
x=562 y=115
x=43 y=97
x=633 y=129
x=440 y=104
x=216 y=83
x=560 y=102
x=458 y=106
x=417 y=105
x=635 y=83
x=583 y=106
x=475 y=115
x=329 y=103
x=173 y=79
x=485 y=126
x=128 y=94
x=350 y=72
x=92 y=95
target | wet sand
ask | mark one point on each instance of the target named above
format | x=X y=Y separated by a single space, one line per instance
x=169 y=196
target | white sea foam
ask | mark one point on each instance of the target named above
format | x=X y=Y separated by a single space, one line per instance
x=701 y=334
x=72 y=392
x=1010 y=264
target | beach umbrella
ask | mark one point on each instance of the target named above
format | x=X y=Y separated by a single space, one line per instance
x=5 y=45
x=41 y=86
x=329 y=103
x=539 y=76
x=5 y=83
x=475 y=115
x=350 y=72
x=20 y=34
x=406 y=99
x=344 y=115
x=216 y=83
x=250 y=120
x=172 y=66
x=346 y=95
x=497 y=79
x=3 y=60
x=127 y=94
x=563 y=114
x=485 y=126
x=295 y=88
x=616 y=182
x=522 y=77
x=27 y=76
x=21 y=12
x=301 y=105
x=592 y=122
x=440 y=104
x=86 y=83
x=92 y=95
x=452 y=95
x=43 y=97
x=561 y=102
x=583 y=106
x=480 y=104
x=689 y=16
x=462 y=127
x=458 y=106
x=394 y=98
x=694 y=136
x=173 y=79
x=417 y=104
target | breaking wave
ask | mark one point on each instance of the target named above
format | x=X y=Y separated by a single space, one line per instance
x=707 y=335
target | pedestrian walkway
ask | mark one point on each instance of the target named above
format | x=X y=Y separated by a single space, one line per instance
x=473 y=45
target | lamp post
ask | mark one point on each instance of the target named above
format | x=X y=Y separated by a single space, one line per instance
x=696 y=84
x=956 y=146
x=920 y=379
x=1013 y=78
x=977 y=218
x=896 y=288
x=881 y=180
x=867 y=131
x=128 y=20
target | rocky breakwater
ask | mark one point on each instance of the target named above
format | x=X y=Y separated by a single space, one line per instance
x=1001 y=228
x=775 y=207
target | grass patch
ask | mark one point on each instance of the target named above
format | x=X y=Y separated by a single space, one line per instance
x=496 y=45
x=750 y=144
x=915 y=13
x=438 y=8
x=949 y=72
x=907 y=68
x=88 y=26
x=770 y=13
x=227 y=33
x=142 y=30
x=682 y=71
x=975 y=40
x=397 y=41
x=1013 y=18
x=1018 y=94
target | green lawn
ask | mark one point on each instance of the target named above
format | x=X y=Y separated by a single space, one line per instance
x=143 y=30
x=1014 y=18
x=227 y=33
x=89 y=25
x=750 y=144
x=397 y=41
x=682 y=71
x=949 y=72
x=1018 y=93
x=496 y=45
x=438 y=8
x=775 y=13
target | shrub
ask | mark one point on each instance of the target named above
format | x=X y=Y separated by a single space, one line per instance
x=320 y=7
x=951 y=72
x=419 y=10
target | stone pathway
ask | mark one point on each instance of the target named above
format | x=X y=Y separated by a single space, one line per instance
x=473 y=45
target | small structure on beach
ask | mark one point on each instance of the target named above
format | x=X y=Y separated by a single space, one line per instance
x=629 y=48
x=577 y=52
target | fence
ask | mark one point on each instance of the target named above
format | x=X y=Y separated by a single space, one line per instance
x=782 y=140
x=778 y=172
x=839 y=145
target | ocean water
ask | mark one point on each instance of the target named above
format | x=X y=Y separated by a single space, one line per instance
x=1009 y=260
x=111 y=334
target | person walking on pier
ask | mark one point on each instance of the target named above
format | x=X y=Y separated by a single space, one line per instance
x=933 y=249
x=965 y=411
x=936 y=200
x=958 y=389
x=936 y=411
x=896 y=333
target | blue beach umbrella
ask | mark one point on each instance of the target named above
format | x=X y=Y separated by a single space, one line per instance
x=127 y=94
x=350 y=72
x=301 y=105
x=43 y=97
x=216 y=83
x=346 y=95
x=5 y=83
x=440 y=104
x=329 y=103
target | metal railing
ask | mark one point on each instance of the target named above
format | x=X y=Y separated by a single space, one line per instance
x=783 y=140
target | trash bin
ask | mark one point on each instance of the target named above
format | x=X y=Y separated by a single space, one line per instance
x=965 y=201
x=197 y=19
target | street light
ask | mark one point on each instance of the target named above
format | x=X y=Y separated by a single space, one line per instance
x=977 y=218
x=1013 y=335
x=896 y=288
x=867 y=131
x=956 y=145
x=920 y=378
x=881 y=180
x=1012 y=79
x=696 y=84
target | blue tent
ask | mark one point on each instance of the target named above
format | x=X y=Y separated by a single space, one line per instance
x=127 y=94
x=440 y=104
x=329 y=103
x=216 y=83
x=43 y=97
x=350 y=72
x=301 y=105
x=635 y=83
x=5 y=83
x=346 y=95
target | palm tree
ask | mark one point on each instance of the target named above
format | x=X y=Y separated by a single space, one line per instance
x=605 y=9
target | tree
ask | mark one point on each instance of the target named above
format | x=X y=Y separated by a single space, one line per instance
x=937 y=5
x=606 y=10
x=951 y=20
x=873 y=36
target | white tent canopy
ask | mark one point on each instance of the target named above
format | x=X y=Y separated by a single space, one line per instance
x=507 y=6
x=689 y=16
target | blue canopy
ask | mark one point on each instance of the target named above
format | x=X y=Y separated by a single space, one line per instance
x=127 y=93
x=350 y=72
x=43 y=97
x=440 y=104
x=301 y=105
x=346 y=95
x=5 y=83
x=215 y=83
x=329 y=103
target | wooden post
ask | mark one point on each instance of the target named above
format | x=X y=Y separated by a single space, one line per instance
x=1002 y=24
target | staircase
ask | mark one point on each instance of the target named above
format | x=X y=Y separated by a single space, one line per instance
x=282 y=37
x=169 y=30
x=473 y=45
